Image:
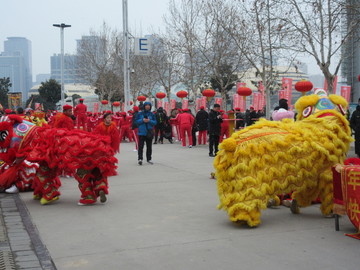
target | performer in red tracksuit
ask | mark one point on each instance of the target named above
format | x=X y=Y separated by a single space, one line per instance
x=186 y=121
x=224 y=126
x=80 y=114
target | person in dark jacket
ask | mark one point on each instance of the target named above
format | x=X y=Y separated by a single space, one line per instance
x=253 y=117
x=145 y=120
x=201 y=120
x=215 y=121
x=160 y=124
x=355 y=125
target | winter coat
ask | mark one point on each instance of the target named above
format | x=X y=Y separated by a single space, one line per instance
x=214 y=123
x=142 y=126
x=202 y=118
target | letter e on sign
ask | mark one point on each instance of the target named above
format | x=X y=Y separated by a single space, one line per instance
x=142 y=46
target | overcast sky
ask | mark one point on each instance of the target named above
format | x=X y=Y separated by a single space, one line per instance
x=33 y=19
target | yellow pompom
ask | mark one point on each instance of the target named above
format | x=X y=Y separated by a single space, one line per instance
x=228 y=145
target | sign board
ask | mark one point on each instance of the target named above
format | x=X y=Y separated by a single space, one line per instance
x=143 y=46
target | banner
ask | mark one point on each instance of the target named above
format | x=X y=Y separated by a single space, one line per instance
x=197 y=104
x=167 y=107
x=218 y=101
x=287 y=86
x=172 y=104
x=185 y=104
x=203 y=102
x=261 y=88
x=96 y=107
x=262 y=101
x=334 y=85
x=14 y=100
x=256 y=101
x=236 y=101
x=345 y=92
x=159 y=103
x=123 y=107
x=281 y=94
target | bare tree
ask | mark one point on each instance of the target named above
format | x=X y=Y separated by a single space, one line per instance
x=257 y=34
x=321 y=31
x=184 y=26
x=99 y=62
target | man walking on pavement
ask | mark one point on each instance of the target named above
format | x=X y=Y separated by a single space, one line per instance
x=215 y=121
x=202 y=118
x=145 y=121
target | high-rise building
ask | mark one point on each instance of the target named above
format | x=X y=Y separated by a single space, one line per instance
x=16 y=63
x=70 y=70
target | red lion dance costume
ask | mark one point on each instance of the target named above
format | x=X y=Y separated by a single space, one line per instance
x=89 y=158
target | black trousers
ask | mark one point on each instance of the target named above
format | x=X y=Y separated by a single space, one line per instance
x=142 y=141
x=357 y=143
x=213 y=144
x=157 y=130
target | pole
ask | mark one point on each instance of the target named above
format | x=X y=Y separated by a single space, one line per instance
x=62 y=65
x=126 y=57
x=62 y=26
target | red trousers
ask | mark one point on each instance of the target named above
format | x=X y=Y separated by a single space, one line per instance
x=224 y=131
x=187 y=129
x=202 y=137
x=126 y=132
x=81 y=120
x=136 y=138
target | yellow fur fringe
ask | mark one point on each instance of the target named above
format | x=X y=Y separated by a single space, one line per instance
x=273 y=157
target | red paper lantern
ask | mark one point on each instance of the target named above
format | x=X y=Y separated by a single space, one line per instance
x=160 y=95
x=209 y=93
x=244 y=91
x=181 y=94
x=131 y=103
x=116 y=104
x=141 y=98
x=104 y=102
x=303 y=86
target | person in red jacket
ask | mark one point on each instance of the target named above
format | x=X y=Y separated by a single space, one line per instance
x=108 y=128
x=186 y=121
x=80 y=114
x=225 y=131
x=64 y=119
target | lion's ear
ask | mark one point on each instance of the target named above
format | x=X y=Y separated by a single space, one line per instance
x=15 y=118
x=338 y=100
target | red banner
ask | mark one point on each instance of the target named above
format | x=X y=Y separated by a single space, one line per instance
x=159 y=103
x=261 y=88
x=197 y=104
x=203 y=101
x=281 y=94
x=123 y=107
x=167 y=107
x=287 y=86
x=96 y=107
x=345 y=92
x=172 y=104
x=262 y=101
x=256 y=101
x=218 y=101
x=350 y=180
x=236 y=101
x=185 y=104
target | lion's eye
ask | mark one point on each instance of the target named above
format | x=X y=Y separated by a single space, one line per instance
x=3 y=135
x=307 y=111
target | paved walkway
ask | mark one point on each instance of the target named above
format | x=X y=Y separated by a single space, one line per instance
x=164 y=216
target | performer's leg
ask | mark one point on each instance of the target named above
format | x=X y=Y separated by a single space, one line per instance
x=46 y=185
x=84 y=178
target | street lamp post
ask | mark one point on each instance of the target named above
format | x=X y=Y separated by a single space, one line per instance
x=126 y=57
x=62 y=26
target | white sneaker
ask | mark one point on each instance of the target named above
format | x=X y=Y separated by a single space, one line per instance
x=190 y=146
x=13 y=189
x=134 y=150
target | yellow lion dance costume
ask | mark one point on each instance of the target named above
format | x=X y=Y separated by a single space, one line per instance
x=271 y=157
